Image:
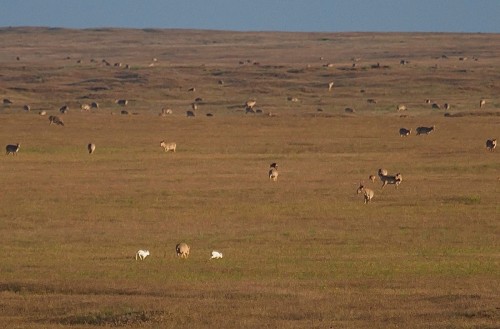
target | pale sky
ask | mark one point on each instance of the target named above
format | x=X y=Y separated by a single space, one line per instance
x=260 y=15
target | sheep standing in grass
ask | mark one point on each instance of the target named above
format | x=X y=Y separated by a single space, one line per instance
x=273 y=172
x=182 y=250
x=482 y=103
x=12 y=149
x=64 y=109
x=121 y=102
x=168 y=146
x=55 y=120
x=141 y=254
x=401 y=107
x=491 y=144
x=368 y=193
x=330 y=86
x=216 y=255
x=425 y=130
x=91 y=148
x=386 y=179
x=403 y=132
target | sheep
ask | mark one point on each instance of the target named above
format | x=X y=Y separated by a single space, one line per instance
x=250 y=103
x=371 y=101
x=425 y=130
x=273 y=172
x=403 y=132
x=330 y=86
x=64 y=109
x=368 y=193
x=124 y=112
x=7 y=101
x=482 y=103
x=349 y=110
x=27 y=108
x=401 y=107
x=42 y=113
x=122 y=102
x=166 y=111
x=194 y=106
x=168 y=146
x=446 y=106
x=491 y=144
x=190 y=114
x=216 y=255
x=85 y=107
x=94 y=105
x=386 y=179
x=91 y=148
x=141 y=254
x=55 y=120
x=436 y=106
x=182 y=250
x=382 y=172
x=12 y=149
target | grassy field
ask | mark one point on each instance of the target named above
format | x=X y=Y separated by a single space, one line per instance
x=304 y=252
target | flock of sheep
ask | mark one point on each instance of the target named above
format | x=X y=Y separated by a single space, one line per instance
x=183 y=249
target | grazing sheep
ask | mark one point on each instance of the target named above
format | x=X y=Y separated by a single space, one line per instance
x=436 y=106
x=190 y=114
x=273 y=172
x=64 y=109
x=141 y=254
x=182 y=250
x=372 y=178
x=250 y=103
x=121 y=102
x=91 y=148
x=94 y=105
x=85 y=107
x=12 y=149
x=124 y=112
x=166 y=111
x=425 y=130
x=42 y=113
x=482 y=103
x=491 y=144
x=386 y=179
x=401 y=107
x=371 y=101
x=27 y=108
x=446 y=106
x=293 y=99
x=194 y=106
x=168 y=146
x=7 y=101
x=428 y=101
x=382 y=172
x=198 y=99
x=349 y=110
x=368 y=193
x=193 y=89
x=55 y=120
x=403 y=132
x=209 y=115
x=330 y=86
x=216 y=255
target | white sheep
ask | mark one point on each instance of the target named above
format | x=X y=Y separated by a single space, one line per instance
x=216 y=255
x=273 y=172
x=91 y=148
x=368 y=193
x=182 y=250
x=141 y=254
x=168 y=146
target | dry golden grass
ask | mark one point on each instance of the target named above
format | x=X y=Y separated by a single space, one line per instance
x=304 y=252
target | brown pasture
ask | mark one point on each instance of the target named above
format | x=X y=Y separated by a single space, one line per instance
x=302 y=252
